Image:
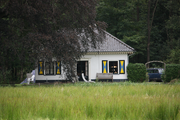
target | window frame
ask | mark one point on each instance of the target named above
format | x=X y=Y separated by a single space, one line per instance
x=51 y=68
x=110 y=67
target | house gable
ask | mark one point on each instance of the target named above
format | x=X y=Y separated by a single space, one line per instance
x=111 y=44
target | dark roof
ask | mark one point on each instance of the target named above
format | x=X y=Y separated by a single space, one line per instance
x=111 y=44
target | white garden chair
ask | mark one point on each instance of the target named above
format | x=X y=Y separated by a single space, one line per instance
x=85 y=79
x=30 y=77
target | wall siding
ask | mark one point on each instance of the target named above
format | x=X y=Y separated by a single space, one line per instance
x=95 y=66
x=95 y=63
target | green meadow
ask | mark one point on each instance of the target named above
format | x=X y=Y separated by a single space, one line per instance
x=80 y=101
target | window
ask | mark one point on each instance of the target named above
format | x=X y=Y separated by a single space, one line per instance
x=49 y=68
x=156 y=71
x=153 y=71
x=113 y=67
x=41 y=68
x=150 y=71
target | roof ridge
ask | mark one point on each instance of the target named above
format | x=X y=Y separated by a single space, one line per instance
x=119 y=40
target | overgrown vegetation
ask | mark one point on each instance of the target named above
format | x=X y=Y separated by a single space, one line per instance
x=136 y=72
x=91 y=101
x=172 y=72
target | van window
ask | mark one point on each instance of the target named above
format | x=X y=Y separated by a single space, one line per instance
x=156 y=71
x=150 y=71
x=161 y=70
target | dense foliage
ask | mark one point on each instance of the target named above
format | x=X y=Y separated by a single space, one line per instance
x=152 y=25
x=42 y=29
x=172 y=72
x=136 y=72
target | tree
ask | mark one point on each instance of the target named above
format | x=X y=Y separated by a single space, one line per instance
x=126 y=20
x=150 y=22
x=173 y=30
x=153 y=34
x=174 y=56
x=42 y=29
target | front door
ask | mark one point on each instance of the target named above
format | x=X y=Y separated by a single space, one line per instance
x=82 y=67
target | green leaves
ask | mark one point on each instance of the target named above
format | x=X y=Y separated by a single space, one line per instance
x=43 y=29
x=174 y=56
x=127 y=20
x=172 y=72
x=136 y=72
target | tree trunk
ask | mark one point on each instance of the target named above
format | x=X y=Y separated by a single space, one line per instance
x=149 y=31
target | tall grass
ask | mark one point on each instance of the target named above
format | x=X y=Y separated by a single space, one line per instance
x=130 y=101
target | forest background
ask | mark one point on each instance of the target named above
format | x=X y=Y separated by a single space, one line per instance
x=151 y=27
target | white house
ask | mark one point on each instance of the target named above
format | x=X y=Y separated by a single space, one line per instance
x=112 y=56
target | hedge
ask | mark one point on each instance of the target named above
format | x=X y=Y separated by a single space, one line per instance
x=136 y=72
x=172 y=72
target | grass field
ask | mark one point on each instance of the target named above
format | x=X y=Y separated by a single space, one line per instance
x=125 y=101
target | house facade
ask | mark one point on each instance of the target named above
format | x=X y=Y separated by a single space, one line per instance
x=111 y=56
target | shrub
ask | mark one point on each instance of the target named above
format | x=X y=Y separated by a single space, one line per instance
x=172 y=72
x=136 y=72
x=147 y=77
x=163 y=76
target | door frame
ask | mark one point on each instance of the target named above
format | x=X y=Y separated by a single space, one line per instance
x=89 y=67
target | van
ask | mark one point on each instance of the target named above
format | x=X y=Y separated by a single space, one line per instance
x=155 y=74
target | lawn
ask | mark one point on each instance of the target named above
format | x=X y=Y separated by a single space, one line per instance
x=132 y=101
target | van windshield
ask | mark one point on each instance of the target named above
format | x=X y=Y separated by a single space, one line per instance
x=150 y=71
x=161 y=70
x=155 y=70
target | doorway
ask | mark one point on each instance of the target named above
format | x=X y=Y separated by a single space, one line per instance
x=82 y=67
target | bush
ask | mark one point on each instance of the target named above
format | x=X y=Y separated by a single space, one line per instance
x=172 y=72
x=163 y=76
x=136 y=72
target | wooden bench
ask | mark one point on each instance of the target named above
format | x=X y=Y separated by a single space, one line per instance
x=104 y=76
